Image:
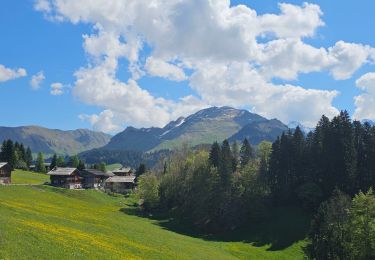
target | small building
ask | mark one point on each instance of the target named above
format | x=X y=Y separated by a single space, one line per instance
x=68 y=178
x=123 y=171
x=5 y=173
x=120 y=184
x=94 y=179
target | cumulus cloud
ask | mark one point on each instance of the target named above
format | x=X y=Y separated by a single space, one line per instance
x=57 y=89
x=37 y=79
x=160 y=68
x=217 y=43
x=101 y=122
x=365 y=102
x=9 y=74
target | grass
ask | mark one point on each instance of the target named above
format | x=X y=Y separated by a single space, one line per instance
x=42 y=222
x=113 y=166
x=27 y=177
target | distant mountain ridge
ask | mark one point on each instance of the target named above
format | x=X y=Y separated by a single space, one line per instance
x=203 y=127
x=48 y=141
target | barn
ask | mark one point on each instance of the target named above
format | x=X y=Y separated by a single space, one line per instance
x=123 y=171
x=94 y=179
x=5 y=173
x=69 y=178
x=120 y=184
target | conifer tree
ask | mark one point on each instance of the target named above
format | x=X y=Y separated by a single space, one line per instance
x=246 y=152
x=28 y=157
x=39 y=166
x=53 y=162
x=215 y=153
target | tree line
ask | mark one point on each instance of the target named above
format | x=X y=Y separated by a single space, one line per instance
x=329 y=173
x=16 y=154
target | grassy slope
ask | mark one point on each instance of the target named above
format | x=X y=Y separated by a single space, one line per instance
x=114 y=166
x=26 y=177
x=48 y=223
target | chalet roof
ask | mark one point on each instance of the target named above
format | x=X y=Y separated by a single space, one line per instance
x=121 y=179
x=61 y=171
x=123 y=170
x=2 y=164
x=99 y=172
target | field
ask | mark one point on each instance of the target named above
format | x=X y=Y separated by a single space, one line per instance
x=42 y=222
x=26 y=177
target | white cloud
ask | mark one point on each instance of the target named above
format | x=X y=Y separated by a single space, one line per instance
x=218 y=43
x=365 y=102
x=348 y=58
x=9 y=74
x=238 y=84
x=160 y=68
x=37 y=79
x=294 y=21
x=102 y=122
x=57 y=89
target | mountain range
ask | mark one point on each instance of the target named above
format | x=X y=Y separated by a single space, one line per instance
x=203 y=127
x=50 y=141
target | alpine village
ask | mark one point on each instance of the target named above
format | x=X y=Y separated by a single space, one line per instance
x=187 y=129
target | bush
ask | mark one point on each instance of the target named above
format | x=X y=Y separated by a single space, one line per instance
x=148 y=190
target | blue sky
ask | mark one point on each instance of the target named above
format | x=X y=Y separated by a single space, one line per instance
x=36 y=39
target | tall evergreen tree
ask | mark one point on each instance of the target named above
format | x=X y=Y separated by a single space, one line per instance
x=53 y=162
x=246 y=152
x=39 y=166
x=28 y=157
x=215 y=154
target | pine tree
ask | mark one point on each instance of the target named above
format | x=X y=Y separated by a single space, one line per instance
x=81 y=165
x=53 y=162
x=236 y=155
x=60 y=162
x=215 y=154
x=28 y=157
x=141 y=170
x=246 y=153
x=74 y=161
x=226 y=163
x=39 y=166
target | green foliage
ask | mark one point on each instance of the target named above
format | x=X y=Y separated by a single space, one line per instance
x=53 y=162
x=39 y=165
x=15 y=154
x=141 y=170
x=362 y=225
x=344 y=229
x=60 y=162
x=73 y=161
x=148 y=189
x=246 y=152
x=329 y=237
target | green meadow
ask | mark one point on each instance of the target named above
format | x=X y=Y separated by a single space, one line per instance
x=26 y=177
x=42 y=222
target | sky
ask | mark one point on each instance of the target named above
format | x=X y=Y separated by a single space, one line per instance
x=109 y=64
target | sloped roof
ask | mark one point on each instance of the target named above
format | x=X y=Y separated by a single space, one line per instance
x=123 y=169
x=99 y=172
x=62 y=171
x=123 y=179
x=2 y=164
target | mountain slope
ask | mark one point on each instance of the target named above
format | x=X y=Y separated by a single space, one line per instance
x=203 y=127
x=256 y=132
x=48 y=141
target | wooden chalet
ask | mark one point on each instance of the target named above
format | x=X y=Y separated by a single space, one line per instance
x=94 y=179
x=5 y=173
x=69 y=178
x=123 y=171
x=120 y=184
